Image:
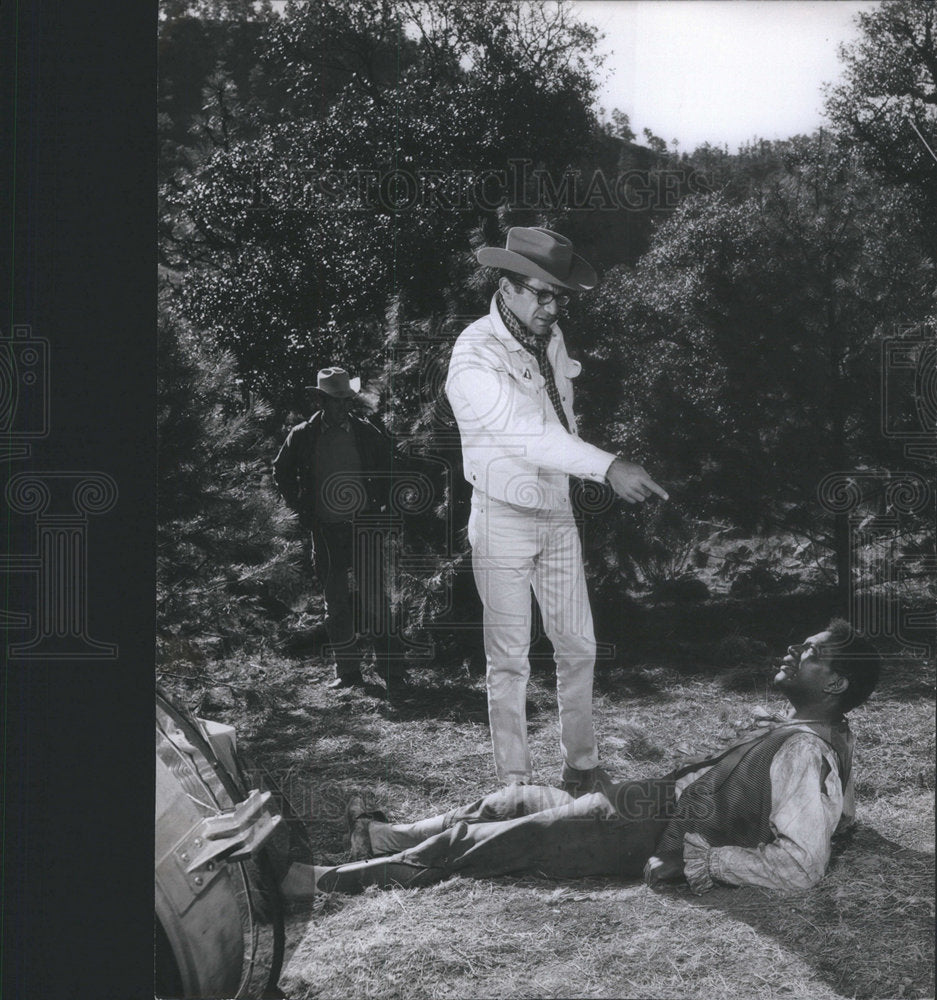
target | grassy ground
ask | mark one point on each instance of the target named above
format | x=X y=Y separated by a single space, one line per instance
x=866 y=931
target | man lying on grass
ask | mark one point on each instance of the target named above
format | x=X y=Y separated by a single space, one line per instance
x=760 y=812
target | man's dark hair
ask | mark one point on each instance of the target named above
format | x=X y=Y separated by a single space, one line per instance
x=856 y=659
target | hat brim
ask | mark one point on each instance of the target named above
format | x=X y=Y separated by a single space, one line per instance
x=354 y=389
x=581 y=277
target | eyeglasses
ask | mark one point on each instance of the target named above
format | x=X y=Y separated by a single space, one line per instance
x=545 y=296
x=798 y=650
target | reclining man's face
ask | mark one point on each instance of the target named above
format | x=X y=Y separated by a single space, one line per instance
x=806 y=666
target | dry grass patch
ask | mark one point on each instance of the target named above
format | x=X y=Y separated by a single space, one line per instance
x=866 y=931
x=516 y=938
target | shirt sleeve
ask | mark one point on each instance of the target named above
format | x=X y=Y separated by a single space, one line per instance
x=805 y=808
x=485 y=400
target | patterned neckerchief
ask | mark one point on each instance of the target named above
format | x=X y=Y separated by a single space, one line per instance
x=537 y=346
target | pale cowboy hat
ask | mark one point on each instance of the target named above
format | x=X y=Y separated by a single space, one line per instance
x=335 y=382
x=540 y=253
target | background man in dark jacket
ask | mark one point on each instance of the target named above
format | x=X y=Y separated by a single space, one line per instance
x=334 y=470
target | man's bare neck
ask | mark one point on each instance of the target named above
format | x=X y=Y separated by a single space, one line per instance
x=817 y=712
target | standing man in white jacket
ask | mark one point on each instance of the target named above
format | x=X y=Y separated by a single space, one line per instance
x=510 y=388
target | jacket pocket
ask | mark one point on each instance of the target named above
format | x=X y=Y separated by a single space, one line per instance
x=528 y=380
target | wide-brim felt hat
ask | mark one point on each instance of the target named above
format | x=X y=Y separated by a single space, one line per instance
x=335 y=382
x=540 y=253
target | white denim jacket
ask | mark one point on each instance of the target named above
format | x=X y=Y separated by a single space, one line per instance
x=514 y=447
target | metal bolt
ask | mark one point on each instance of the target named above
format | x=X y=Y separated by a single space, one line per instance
x=184 y=856
x=198 y=880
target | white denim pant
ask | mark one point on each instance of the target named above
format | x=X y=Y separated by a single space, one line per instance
x=513 y=550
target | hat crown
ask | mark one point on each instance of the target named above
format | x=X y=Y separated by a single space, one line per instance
x=336 y=382
x=540 y=253
x=551 y=251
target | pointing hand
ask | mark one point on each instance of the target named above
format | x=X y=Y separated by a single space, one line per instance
x=631 y=482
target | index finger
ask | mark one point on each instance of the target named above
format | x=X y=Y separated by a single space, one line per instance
x=659 y=490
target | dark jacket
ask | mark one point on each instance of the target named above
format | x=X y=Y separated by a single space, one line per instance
x=294 y=468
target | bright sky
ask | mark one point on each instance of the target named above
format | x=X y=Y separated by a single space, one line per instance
x=720 y=71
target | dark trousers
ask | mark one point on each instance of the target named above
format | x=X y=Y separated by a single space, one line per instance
x=539 y=829
x=343 y=550
x=523 y=828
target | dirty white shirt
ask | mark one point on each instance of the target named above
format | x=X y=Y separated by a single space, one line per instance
x=806 y=808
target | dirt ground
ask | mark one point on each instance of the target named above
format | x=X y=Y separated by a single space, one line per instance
x=866 y=931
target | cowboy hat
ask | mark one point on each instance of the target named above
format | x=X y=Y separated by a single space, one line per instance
x=540 y=253
x=335 y=382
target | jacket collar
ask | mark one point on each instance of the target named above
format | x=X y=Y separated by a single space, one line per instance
x=317 y=422
x=510 y=342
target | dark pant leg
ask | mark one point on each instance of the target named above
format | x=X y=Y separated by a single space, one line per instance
x=417 y=853
x=501 y=834
x=505 y=804
x=374 y=612
x=333 y=555
x=584 y=837
x=652 y=798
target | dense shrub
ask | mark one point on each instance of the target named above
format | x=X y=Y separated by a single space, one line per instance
x=224 y=561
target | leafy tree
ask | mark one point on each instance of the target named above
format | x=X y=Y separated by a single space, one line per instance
x=210 y=72
x=416 y=87
x=223 y=562
x=655 y=142
x=292 y=243
x=887 y=104
x=744 y=347
x=322 y=197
